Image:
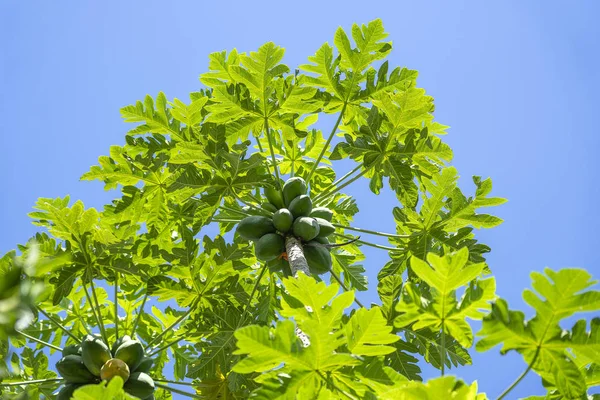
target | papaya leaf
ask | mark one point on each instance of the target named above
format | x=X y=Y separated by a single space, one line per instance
x=559 y=357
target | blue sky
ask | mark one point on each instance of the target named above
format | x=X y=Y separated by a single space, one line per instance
x=516 y=81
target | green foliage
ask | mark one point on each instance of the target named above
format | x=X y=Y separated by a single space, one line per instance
x=162 y=262
x=565 y=359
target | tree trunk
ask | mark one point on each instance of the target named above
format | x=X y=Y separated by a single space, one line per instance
x=295 y=254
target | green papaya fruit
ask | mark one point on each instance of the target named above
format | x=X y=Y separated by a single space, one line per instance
x=276 y=265
x=283 y=220
x=293 y=188
x=131 y=352
x=269 y=247
x=118 y=342
x=301 y=206
x=318 y=259
x=72 y=349
x=255 y=227
x=322 y=212
x=268 y=207
x=325 y=227
x=67 y=391
x=305 y=228
x=145 y=365
x=140 y=385
x=114 y=367
x=74 y=370
x=321 y=240
x=94 y=353
x=274 y=196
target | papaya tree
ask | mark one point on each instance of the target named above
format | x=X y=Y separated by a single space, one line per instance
x=228 y=264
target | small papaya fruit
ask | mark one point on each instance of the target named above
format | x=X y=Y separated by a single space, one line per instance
x=255 y=227
x=269 y=247
x=293 y=188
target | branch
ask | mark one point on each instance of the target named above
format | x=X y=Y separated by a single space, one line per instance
x=58 y=324
x=261 y=210
x=137 y=317
x=173 y=390
x=173 y=382
x=116 y=306
x=339 y=280
x=377 y=246
x=40 y=341
x=158 y=350
x=318 y=160
x=102 y=328
x=22 y=383
x=392 y=235
x=268 y=133
x=167 y=329
x=326 y=191
x=520 y=378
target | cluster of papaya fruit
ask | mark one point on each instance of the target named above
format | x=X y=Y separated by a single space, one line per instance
x=293 y=214
x=92 y=361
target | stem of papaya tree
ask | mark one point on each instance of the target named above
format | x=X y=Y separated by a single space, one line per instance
x=40 y=341
x=318 y=160
x=102 y=328
x=338 y=188
x=351 y=228
x=225 y=208
x=275 y=168
x=443 y=350
x=158 y=350
x=167 y=329
x=140 y=312
x=520 y=377
x=116 y=306
x=173 y=390
x=377 y=246
x=23 y=383
x=325 y=191
x=339 y=280
x=254 y=289
x=59 y=325
x=226 y=221
x=269 y=213
x=89 y=299
x=173 y=382
x=295 y=254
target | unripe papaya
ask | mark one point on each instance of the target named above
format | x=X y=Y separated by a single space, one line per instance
x=114 y=367
x=255 y=227
x=283 y=220
x=145 y=365
x=305 y=228
x=94 y=353
x=293 y=188
x=74 y=370
x=325 y=227
x=318 y=259
x=321 y=240
x=140 y=385
x=274 y=196
x=268 y=207
x=67 y=391
x=131 y=352
x=269 y=247
x=72 y=349
x=322 y=212
x=118 y=342
x=301 y=206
